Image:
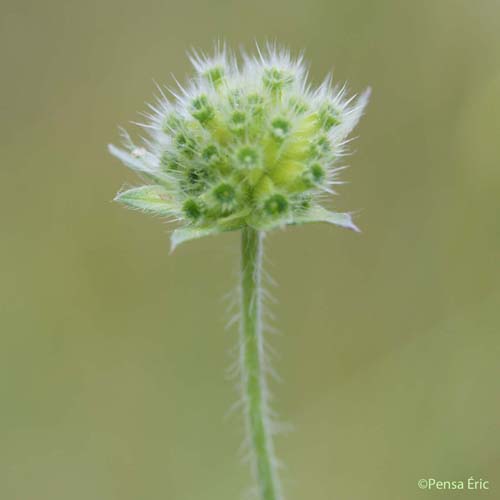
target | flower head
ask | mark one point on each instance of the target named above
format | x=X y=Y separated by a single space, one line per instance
x=248 y=144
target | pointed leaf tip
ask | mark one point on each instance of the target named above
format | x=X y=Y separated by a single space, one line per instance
x=320 y=214
x=151 y=199
x=184 y=234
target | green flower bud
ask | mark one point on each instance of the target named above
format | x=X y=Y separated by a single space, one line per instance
x=169 y=163
x=276 y=205
x=248 y=157
x=225 y=193
x=210 y=153
x=238 y=122
x=185 y=144
x=280 y=128
x=298 y=106
x=329 y=117
x=320 y=147
x=202 y=110
x=315 y=174
x=172 y=122
x=192 y=210
x=276 y=80
x=215 y=75
x=224 y=199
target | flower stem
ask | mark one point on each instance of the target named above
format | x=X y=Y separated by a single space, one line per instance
x=252 y=361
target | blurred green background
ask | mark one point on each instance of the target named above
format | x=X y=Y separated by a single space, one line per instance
x=113 y=353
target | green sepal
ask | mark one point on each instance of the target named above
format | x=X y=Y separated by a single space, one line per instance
x=320 y=214
x=313 y=214
x=151 y=199
x=187 y=233
x=183 y=234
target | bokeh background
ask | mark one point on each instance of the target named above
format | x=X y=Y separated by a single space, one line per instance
x=113 y=353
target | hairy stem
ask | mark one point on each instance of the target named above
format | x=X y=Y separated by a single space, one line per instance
x=252 y=360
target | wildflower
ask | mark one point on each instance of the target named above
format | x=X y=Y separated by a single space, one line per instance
x=246 y=147
x=243 y=145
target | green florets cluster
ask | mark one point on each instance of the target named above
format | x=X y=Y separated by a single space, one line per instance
x=242 y=146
